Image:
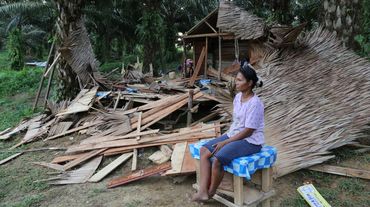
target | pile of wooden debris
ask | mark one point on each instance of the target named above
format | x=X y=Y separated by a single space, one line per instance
x=119 y=123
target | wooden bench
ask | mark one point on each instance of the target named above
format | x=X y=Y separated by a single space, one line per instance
x=256 y=168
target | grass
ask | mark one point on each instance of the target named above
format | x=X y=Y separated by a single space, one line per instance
x=337 y=190
x=17 y=89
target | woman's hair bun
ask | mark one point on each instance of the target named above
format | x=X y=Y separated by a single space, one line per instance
x=259 y=82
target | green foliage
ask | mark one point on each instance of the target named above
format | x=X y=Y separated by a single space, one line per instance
x=14 y=82
x=16 y=88
x=16 y=49
x=288 y=12
x=363 y=39
x=352 y=185
x=109 y=66
x=151 y=33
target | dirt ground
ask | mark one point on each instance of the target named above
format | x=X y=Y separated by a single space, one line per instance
x=18 y=186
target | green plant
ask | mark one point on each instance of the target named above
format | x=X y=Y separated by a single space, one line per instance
x=16 y=49
x=352 y=186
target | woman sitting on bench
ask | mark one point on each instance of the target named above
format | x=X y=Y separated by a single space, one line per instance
x=245 y=136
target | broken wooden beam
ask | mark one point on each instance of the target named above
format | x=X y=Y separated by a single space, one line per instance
x=344 y=171
x=109 y=168
x=140 y=174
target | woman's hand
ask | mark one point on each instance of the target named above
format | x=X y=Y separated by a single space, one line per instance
x=218 y=146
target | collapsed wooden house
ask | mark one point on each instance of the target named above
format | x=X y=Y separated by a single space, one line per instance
x=230 y=34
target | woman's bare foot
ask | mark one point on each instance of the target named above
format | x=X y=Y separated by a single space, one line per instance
x=200 y=197
x=211 y=194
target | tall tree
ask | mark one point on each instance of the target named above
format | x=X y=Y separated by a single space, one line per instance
x=151 y=33
x=77 y=67
x=342 y=16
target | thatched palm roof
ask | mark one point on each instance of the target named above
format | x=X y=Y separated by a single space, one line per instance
x=317 y=99
x=243 y=24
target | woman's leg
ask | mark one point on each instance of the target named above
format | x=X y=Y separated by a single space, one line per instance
x=205 y=169
x=224 y=156
x=205 y=173
x=216 y=177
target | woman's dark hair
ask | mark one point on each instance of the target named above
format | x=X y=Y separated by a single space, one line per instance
x=250 y=74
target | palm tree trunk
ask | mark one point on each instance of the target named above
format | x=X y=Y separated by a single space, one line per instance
x=69 y=13
x=341 y=16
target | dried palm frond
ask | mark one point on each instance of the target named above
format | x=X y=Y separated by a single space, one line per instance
x=316 y=99
x=243 y=24
x=78 y=53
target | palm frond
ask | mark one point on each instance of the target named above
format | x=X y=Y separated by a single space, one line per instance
x=22 y=7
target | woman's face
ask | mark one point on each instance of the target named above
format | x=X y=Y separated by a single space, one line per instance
x=241 y=83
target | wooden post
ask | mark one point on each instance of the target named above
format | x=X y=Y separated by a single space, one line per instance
x=43 y=77
x=236 y=48
x=134 y=153
x=206 y=58
x=266 y=184
x=219 y=58
x=190 y=105
x=238 y=190
x=49 y=85
x=183 y=68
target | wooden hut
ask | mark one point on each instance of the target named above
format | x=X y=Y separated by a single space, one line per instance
x=225 y=35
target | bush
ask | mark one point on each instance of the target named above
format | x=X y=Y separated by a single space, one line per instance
x=13 y=82
x=16 y=49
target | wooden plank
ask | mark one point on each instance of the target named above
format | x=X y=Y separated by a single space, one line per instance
x=5 y=131
x=80 y=175
x=197 y=67
x=134 y=142
x=188 y=165
x=134 y=157
x=219 y=58
x=73 y=130
x=177 y=137
x=344 y=171
x=208 y=35
x=50 y=165
x=150 y=115
x=111 y=138
x=140 y=174
x=109 y=168
x=120 y=150
x=60 y=127
x=190 y=105
x=82 y=159
x=82 y=102
x=177 y=158
x=66 y=158
x=169 y=110
x=10 y=158
x=206 y=59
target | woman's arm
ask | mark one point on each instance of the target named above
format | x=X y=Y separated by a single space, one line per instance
x=241 y=135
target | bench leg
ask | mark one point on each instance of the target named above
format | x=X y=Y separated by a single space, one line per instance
x=266 y=184
x=238 y=190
